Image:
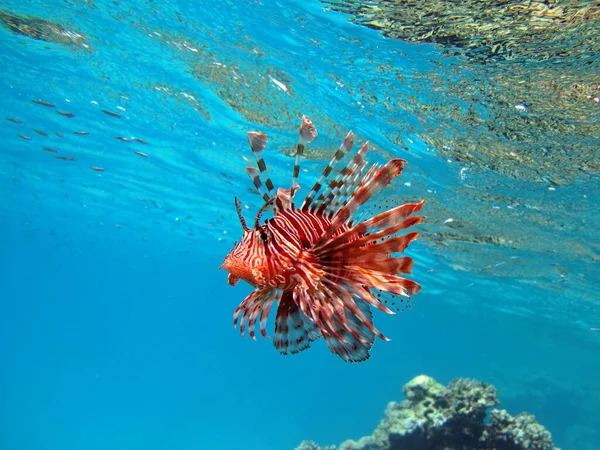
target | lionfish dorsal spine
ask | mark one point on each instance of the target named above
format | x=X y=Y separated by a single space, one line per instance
x=390 y=221
x=306 y=135
x=254 y=175
x=332 y=191
x=380 y=179
x=354 y=181
x=258 y=142
x=345 y=147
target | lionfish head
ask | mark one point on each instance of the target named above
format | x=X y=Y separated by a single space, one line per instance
x=247 y=260
x=243 y=262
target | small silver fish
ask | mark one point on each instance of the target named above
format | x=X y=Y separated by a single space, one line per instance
x=43 y=103
x=112 y=114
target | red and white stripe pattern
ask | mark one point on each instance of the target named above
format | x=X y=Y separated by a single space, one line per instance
x=314 y=263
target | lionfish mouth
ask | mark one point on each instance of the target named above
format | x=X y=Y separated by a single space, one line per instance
x=232 y=279
x=237 y=271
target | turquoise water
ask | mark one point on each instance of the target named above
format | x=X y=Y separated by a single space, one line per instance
x=115 y=324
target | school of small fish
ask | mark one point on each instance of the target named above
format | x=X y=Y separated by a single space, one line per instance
x=80 y=132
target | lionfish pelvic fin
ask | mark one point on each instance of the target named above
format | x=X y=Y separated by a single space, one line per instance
x=257 y=304
x=293 y=330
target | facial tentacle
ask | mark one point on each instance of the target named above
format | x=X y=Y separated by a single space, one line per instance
x=238 y=208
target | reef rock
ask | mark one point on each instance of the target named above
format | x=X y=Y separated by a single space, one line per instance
x=311 y=445
x=437 y=417
x=507 y=432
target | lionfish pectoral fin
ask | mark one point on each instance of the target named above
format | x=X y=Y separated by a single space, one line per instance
x=293 y=331
x=369 y=259
x=341 y=316
x=356 y=345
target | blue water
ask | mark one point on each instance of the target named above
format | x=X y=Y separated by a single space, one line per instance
x=115 y=324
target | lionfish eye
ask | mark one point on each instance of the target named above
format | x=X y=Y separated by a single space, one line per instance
x=264 y=236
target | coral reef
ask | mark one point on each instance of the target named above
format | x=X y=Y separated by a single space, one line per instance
x=522 y=431
x=310 y=445
x=437 y=417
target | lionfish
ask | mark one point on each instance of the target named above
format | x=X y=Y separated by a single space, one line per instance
x=314 y=262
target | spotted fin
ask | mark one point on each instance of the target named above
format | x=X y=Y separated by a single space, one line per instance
x=350 y=348
x=344 y=320
x=293 y=331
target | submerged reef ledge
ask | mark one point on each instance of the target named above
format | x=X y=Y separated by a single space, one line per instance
x=437 y=417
